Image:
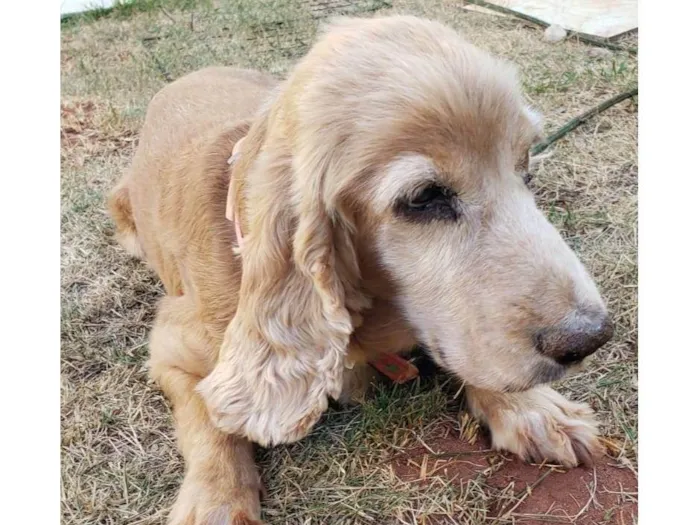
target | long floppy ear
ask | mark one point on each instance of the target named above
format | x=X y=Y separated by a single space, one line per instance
x=285 y=350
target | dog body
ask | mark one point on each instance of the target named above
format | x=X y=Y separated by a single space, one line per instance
x=379 y=194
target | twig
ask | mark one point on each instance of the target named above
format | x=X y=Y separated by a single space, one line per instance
x=601 y=43
x=573 y=34
x=165 y=12
x=524 y=493
x=436 y=456
x=425 y=445
x=452 y=455
x=577 y=121
x=590 y=500
x=159 y=65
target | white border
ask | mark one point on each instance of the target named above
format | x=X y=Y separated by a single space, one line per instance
x=669 y=266
x=669 y=230
x=30 y=222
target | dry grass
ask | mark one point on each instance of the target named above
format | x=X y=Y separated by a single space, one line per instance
x=119 y=461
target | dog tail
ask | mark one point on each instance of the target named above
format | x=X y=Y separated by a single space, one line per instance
x=119 y=204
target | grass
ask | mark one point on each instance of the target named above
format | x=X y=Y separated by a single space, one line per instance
x=119 y=460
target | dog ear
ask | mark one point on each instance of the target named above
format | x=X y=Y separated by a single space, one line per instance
x=285 y=350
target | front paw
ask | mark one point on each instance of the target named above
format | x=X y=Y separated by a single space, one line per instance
x=539 y=425
x=205 y=502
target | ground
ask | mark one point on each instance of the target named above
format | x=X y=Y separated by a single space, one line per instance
x=410 y=454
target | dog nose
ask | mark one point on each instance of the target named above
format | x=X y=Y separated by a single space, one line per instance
x=573 y=341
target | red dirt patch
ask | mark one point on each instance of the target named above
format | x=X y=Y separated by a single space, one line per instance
x=527 y=494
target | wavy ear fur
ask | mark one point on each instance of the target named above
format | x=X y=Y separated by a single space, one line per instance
x=285 y=350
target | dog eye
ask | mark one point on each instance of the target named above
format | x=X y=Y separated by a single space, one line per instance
x=527 y=178
x=432 y=202
x=427 y=196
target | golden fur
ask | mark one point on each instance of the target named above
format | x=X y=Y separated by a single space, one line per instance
x=336 y=267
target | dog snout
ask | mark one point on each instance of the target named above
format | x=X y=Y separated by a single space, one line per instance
x=573 y=341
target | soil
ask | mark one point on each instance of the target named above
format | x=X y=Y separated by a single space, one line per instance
x=605 y=493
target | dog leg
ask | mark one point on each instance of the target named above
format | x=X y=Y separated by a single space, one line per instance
x=119 y=204
x=383 y=331
x=538 y=425
x=221 y=484
x=356 y=383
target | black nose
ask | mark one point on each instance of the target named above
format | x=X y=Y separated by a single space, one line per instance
x=575 y=340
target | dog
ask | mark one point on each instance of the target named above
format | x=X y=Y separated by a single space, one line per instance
x=374 y=200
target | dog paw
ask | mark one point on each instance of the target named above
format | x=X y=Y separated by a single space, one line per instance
x=539 y=425
x=208 y=503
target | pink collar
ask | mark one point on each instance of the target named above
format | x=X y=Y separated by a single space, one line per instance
x=234 y=216
x=237 y=227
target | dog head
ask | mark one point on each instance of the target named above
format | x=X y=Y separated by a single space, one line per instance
x=396 y=138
